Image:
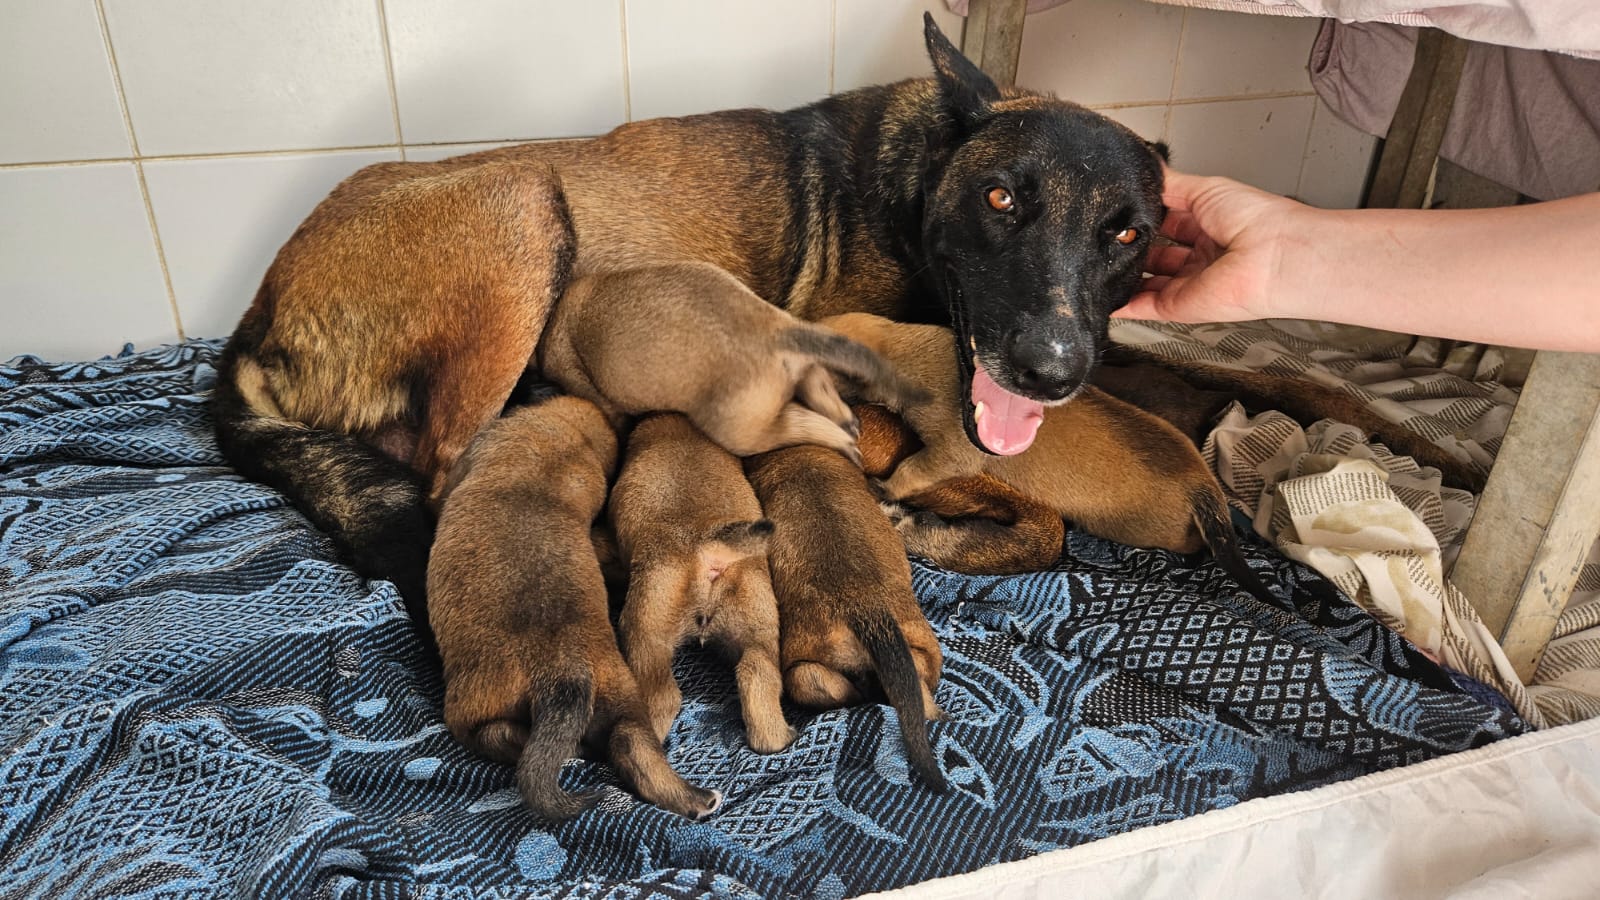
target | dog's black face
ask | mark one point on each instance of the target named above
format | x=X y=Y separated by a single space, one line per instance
x=1037 y=216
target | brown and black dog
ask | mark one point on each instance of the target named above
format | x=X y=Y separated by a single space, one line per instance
x=845 y=605
x=519 y=610
x=690 y=530
x=399 y=317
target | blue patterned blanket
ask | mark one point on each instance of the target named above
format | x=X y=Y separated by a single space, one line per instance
x=195 y=699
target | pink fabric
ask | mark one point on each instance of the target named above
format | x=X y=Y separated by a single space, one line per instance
x=1565 y=26
x=1526 y=119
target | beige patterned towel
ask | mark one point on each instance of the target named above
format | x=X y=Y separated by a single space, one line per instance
x=1378 y=525
x=1372 y=523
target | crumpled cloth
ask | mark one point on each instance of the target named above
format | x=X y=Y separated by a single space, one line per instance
x=1460 y=394
x=1370 y=522
x=1525 y=119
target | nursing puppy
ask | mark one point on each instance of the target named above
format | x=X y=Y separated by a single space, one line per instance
x=518 y=604
x=690 y=531
x=844 y=595
x=1118 y=472
x=691 y=338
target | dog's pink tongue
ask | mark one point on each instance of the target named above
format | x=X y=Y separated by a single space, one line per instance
x=1007 y=423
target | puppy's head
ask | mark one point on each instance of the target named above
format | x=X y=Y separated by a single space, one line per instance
x=1037 y=216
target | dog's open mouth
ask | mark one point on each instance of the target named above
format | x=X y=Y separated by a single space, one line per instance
x=996 y=420
x=1006 y=423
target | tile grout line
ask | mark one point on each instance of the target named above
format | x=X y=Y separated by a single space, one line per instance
x=1305 y=152
x=627 y=65
x=388 y=70
x=306 y=151
x=138 y=170
x=833 y=40
x=1177 y=63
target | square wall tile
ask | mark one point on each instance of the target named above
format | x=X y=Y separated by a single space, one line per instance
x=435 y=152
x=1226 y=54
x=1148 y=122
x=1256 y=141
x=1098 y=52
x=475 y=70
x=880 y=41
x=57 y=98
x=692 y=56
x=216 y=76
x=79 y=274
x=223 y=220
x=1338 y=157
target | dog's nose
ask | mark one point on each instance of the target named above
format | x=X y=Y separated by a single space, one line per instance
x=1045 y=367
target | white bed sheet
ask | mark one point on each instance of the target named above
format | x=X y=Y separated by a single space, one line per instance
x=1516 y=819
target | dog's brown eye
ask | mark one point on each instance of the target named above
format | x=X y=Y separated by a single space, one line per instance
x=1127 y=235
x=1001 y=199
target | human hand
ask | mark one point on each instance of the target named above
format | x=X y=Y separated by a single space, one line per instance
x=1224 y=264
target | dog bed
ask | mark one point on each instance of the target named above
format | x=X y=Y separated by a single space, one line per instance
x=197 y=699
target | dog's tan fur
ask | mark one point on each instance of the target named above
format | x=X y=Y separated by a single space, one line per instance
x=519 y=609
x=689 y=527
x=411 y=287
x=690 y=338
x=844 y=593
x=1115 y=470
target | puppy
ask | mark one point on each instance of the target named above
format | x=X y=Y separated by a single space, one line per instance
x=518 y=603
x=844 y=594
x=1118 y=472
x=689 y=528
x=978 y=524
x=691 y=338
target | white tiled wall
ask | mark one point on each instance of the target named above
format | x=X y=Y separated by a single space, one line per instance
x=155 y=153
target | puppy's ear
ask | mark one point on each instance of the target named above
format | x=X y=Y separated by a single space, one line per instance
x=1159 y=148
x=968 y=93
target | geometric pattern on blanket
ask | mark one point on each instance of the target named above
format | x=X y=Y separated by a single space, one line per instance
x=197 y=700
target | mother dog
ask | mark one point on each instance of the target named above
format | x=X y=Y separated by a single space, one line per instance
x=401 y=314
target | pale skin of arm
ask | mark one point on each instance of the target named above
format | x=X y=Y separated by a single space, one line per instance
x=1526 y=276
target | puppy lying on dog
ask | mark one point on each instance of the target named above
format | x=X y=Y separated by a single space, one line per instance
x=1118 y=472
x=690 y=530
x=518 y=604
x=844 y=594
x=691 y=338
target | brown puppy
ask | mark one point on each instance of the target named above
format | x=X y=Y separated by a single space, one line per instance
x=844 y=594
x=531 y=664
x=1120 y=473
x=690 y=530
x=978 y=524
x=691 y=338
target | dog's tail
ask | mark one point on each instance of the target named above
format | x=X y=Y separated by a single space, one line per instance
x=558 y=717
x=734 y=541
x=1212 y=517
x=373 y=507
x=879 y=382
x=891 y=657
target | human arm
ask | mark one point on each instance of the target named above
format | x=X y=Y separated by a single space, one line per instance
x=1523 y=275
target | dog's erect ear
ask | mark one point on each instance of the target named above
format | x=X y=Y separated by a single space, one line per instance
x=967 y=91
x=1159 y=148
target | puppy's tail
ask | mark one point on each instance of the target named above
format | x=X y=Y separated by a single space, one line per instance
x=733 y=541
x=879 y=382
x=1212 y=517
x=884 y=643
x=558 y=716
x=373 y=507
